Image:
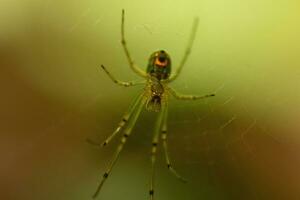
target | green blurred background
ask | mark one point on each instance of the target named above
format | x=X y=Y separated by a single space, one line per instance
x=241 y=144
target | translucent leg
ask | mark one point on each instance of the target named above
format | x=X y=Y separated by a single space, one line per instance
x=126 y=134
x=155 y=141
x=187 y=51
x=122 y=123
x=165 y=146
x=122 y=83
x=132 y=65
x=187 y=97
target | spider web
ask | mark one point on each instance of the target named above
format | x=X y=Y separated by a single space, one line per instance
x=232 y=141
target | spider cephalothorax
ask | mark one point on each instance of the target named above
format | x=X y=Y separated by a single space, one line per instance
x=159 y=65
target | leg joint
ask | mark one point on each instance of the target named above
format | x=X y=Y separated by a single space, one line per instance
x=105 y=175
x=151 y=192
x=126 y=135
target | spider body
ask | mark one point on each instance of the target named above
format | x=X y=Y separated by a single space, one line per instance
x=155 y=98
x=158 y=70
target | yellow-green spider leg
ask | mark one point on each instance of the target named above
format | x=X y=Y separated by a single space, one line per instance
x=164 y=130
x=155 y=141
x=121 y=124
x=188 y=97
x=187 y=51
x=132 y=65
x=127 y=132
x=122 y=83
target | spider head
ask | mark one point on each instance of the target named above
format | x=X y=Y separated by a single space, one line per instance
x=159 y=65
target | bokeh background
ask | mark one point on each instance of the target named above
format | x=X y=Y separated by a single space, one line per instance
x=241 y=144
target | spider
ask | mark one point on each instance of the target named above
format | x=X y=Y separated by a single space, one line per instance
x=154 y=97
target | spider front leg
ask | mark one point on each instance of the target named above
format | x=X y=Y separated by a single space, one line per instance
x=187 y=51
x=127 y=132
x=164 y=130
x=132 y=65
x=122 y=83
x=187 y=97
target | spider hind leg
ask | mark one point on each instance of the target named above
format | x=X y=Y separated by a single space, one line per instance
x=131 y=122
x=164 y=131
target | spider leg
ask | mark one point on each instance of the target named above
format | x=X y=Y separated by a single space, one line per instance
x=122 y=123
x=155 y=141
x=126 y=134
x=132 y=65
x=121 y=83
x=187 y=50
x=164 y=130
x=188 y=97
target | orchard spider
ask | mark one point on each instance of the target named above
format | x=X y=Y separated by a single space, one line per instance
x=154 y=97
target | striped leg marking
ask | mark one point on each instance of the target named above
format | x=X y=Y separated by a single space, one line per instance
x=165 y=146
x=155 y=142
x=126 y=134
x=122 y=123
x=121 y=83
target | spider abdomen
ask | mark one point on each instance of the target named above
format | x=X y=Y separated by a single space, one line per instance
x=154 y=103
x=156 y=93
